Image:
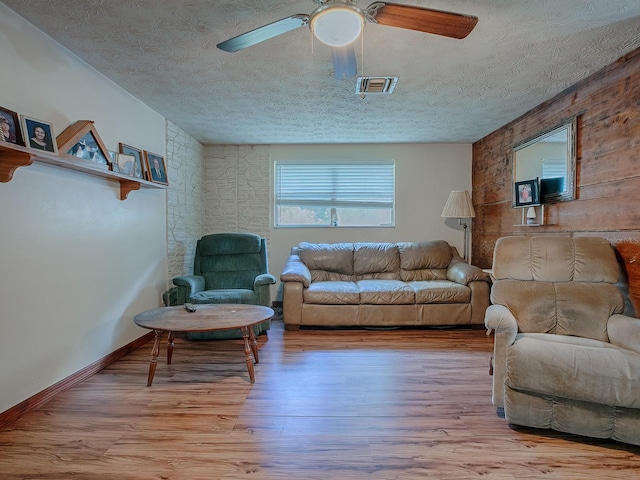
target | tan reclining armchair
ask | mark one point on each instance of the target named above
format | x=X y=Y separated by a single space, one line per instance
x=565 y=358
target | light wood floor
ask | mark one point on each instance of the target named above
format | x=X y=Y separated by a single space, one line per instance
x=327 y=404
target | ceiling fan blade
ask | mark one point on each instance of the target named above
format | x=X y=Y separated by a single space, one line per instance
x=263 y=33
x=438 y=22
x=344 y=62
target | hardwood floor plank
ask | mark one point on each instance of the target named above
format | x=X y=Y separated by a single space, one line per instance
x=327 y=404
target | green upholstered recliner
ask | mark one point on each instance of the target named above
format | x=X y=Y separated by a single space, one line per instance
x=228 y=268
x=565 y=356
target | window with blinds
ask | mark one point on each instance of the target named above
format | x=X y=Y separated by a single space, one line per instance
x=334 y=193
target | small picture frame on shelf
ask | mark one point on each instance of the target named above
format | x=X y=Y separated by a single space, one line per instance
x=138 y=167
x=38 y=134
x=10 y=127
x=527 y=193
x=81 y=140
x=125 y=164
x=155 y=168
x=114 y=161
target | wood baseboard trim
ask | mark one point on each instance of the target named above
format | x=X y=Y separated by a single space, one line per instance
x=14 y=413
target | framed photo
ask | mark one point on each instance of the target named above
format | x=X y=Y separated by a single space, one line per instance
x=138 y=167
x=81 y=140
x=38 y=134
x=125 y=164
x=114 y=161
x=155 y=168
x=527 y=193
x=10 y=127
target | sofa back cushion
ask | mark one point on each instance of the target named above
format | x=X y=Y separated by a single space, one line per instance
x=420 y=261
x=230 y=260
x=555 y=259
x=557 y=284
x=328 y=261
x=406 y=261
x=564 y=308
x=376 y=261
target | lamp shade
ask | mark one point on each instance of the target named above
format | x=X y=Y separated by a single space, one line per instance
x=459 y=205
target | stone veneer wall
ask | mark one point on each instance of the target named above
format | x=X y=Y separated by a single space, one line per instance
x=185 y=200
x=236 y=189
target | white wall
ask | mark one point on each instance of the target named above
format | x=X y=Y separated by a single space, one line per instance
x=425 y=175
x=76 y=262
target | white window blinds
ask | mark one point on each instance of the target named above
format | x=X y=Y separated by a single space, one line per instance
x=335 y=184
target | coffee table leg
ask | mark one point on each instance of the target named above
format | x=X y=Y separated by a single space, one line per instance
x=254 y=344
x=170 y=347
x=154 y=357
x=248 y=353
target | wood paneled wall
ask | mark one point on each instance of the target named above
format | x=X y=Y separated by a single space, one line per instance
x=608 y=169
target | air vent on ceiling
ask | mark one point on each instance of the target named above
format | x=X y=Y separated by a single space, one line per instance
x=376 y=84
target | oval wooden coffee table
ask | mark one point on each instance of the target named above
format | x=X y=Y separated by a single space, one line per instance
x=206 y=318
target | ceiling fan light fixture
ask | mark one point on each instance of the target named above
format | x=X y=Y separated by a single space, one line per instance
x=337 y=25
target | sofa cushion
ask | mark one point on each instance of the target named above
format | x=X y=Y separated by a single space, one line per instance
x=554 y=259
x=440 y=291
x=327 y=261
x=546 y=364
x=424 y=260
x=230 y=295
x=385 y=292
x=545 y=307
x=332 y=293
x=376 y=260
x=229 y=244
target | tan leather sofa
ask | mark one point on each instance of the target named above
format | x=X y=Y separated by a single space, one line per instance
x=565 y=358
x=382 y=285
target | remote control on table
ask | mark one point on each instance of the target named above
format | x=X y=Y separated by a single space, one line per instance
x=189 y=307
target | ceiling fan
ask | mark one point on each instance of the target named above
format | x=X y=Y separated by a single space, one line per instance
x=338 y=23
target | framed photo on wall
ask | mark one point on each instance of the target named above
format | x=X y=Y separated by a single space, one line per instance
x=138 y=167
x=38 y=134
x=527 y=193
x=10 y=127
x=155 y=167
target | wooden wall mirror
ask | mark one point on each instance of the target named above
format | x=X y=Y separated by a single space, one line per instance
x=551 y=158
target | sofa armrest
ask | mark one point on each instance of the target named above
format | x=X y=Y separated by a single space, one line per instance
x=292 y=301
x=264 y=279
x=500 y=319
x=624 y=332
x=261 y=288
x=296 y=271
x=480 y=301
x=187 y=286
x=463 y=273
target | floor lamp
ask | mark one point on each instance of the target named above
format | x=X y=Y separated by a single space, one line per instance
x=459 y=206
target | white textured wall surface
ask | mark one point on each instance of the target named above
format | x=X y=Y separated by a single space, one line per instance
x=77 y=263
x=185 y=201
x=237 y=189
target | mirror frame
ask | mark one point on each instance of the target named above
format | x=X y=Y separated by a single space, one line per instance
x=569 y=192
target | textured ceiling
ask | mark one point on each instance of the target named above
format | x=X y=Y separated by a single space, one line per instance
x=521 y=53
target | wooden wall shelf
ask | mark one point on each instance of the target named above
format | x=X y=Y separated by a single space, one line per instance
x=14 y=156
x=539 y=214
